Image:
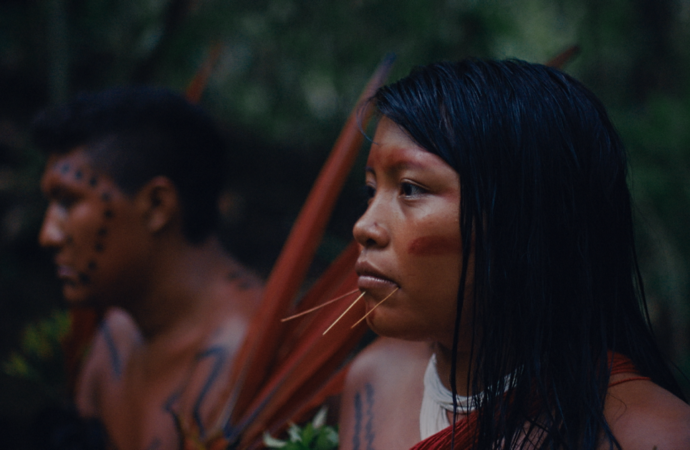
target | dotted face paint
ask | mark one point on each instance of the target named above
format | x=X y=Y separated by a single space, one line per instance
x=92 y=227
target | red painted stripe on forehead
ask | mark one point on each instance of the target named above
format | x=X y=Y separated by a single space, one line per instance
x=393 y=159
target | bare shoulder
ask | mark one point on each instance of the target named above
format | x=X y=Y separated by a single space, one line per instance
x=383 y=359
x=643 y=415
x=382 y=397
x=105 y=359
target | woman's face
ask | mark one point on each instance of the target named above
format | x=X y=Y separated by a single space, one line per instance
x=410 y=239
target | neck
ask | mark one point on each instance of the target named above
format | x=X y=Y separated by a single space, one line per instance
x=180 y=288
x=444 y=363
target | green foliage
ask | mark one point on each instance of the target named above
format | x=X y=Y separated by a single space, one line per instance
x=316 y=435
x=40 y=356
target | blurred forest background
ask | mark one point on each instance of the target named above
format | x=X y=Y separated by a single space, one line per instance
x=287 y=74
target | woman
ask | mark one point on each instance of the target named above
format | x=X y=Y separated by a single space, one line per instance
x=499 y=237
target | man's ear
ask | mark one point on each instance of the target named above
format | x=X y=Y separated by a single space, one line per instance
x=159 y=202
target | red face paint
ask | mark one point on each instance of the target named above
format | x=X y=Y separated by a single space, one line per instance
x=434 y=246
x=394 y=161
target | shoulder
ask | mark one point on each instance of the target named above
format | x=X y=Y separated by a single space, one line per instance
x=383 y=394
x=116 y=336
x=106 y=358
x=384 y=358
x=643 y=415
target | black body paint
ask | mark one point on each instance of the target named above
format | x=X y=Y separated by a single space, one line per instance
x=369 y=430
x=92 y=265
x=105 y=196
x=108 y=214
x=98 y=247
x=93 y=181
x=358 y=421
x=369 y=434
x=84 y=278
x=234 y=275
x=220 y=354
x=115 y=360
x=78 y=175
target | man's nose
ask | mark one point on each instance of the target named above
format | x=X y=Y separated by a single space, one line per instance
x=52 y=233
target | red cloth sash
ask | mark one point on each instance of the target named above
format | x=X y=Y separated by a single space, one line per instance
x=442 y=439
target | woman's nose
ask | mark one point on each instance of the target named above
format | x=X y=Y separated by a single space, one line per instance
x=371 y=229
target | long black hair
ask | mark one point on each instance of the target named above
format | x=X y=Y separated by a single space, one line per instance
x=545 y=204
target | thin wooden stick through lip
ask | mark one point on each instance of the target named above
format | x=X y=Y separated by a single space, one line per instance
x=344 y=312
x=318 y=307
x=375 y=306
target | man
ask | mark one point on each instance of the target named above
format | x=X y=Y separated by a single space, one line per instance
x=132 y=179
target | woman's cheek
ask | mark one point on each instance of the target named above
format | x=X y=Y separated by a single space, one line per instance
x=434 y=246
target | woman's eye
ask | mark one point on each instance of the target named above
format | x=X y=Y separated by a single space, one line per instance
x=411 y=190
x=369 y=192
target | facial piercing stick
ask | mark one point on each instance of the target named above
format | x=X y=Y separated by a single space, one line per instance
x=344 y=312
x=375 y=306
x=318 y=307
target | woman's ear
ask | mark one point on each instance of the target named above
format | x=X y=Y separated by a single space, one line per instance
x=159 y=203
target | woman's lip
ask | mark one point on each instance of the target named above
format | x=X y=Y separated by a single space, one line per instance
x=370 y=283
x=371 y=279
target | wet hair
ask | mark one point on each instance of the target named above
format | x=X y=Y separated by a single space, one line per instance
x=545 y=204
x=136 y=133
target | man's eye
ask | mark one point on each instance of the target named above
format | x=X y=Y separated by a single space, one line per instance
x=66 y=201
x=411 y=190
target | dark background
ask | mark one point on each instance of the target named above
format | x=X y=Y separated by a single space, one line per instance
x=288 y=74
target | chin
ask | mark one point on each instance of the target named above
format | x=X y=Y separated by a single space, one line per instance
x=393 y=329
x=76 y=297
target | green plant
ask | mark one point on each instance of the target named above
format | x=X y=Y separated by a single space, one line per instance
x=316 y=435
x=40 y=357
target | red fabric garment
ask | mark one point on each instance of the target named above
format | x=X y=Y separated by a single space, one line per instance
x=463 y=436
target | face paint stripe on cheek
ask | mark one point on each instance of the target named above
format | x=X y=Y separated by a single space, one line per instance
x=434 y=245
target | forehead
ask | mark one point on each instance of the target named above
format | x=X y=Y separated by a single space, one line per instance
x=73 y=169
x=394 y=150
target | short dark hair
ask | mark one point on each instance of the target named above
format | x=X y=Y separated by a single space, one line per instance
x=545 y=203
x=136 y=133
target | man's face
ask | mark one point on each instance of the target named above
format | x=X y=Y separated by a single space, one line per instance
x=96 y=231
